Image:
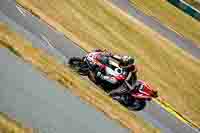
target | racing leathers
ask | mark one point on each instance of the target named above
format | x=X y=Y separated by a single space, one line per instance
x=100 y=61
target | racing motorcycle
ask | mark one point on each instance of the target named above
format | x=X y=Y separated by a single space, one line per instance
x=134 y=99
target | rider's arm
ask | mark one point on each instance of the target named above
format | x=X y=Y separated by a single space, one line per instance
x=119 y=58
x=126 y=62
x=116 y=57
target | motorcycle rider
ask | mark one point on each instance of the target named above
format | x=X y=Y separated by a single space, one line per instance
x=100 y=61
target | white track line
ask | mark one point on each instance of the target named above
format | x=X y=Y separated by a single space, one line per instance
x=54 y=49
x=21 y=10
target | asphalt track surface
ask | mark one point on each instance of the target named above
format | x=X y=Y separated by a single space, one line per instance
x=56 y=44
x=26 y=95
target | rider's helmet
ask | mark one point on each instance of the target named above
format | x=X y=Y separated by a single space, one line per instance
x=127 y=60
x=98 y=50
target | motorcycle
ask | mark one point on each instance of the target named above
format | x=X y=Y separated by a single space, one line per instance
x=134 y=99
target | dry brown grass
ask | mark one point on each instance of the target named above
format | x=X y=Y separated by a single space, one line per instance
x=66 y=77
x=98 y=23
x=171 y=16
x=7 y=125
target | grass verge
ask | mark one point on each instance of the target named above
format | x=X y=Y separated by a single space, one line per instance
x=7 y=125
x=66 y=77
x=171 y=16
x=99 y=24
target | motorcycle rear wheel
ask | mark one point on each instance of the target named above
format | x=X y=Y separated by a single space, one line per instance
x=78 y=65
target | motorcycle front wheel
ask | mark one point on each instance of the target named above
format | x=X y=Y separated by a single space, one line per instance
x=136 y=105
x=130 y=102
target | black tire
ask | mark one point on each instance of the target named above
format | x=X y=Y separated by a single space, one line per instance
x=130 y=103
x=118 y=99
x=78 y=65
x=137 y=105
x=75 y=61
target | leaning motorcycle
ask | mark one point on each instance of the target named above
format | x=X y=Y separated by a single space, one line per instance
x=134 y=99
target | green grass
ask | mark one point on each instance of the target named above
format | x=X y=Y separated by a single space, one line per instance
x=98 y=23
